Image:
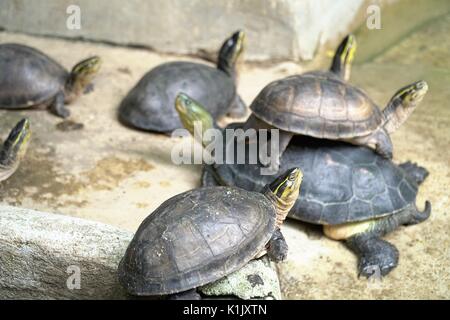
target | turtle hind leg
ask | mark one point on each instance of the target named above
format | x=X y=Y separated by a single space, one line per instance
x=186 y=295
x=58 y=107
x=277 y=247
x=375 y=255
x=378 y=141
x=238 y=108
x=418 y=173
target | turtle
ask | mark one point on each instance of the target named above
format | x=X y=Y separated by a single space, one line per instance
x=14 y=148
x=322 y=104
x=30 y=78
x=353 y=192
x=204 y=234
x=149 y=105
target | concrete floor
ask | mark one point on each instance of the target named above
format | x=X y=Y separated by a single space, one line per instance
x=110 y=173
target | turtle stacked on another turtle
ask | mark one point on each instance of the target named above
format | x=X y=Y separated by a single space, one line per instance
x=356 y=194
x=149 y=105
x=323 y=105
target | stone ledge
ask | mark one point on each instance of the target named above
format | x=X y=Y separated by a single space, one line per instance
x=39 y=253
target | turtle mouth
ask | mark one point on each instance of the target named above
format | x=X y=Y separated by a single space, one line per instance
x=181 y=103
x=421 y=85
x=420 y=88
x=239 y=40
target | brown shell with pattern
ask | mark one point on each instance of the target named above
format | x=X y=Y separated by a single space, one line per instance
x=316 y=105
x=195 y=238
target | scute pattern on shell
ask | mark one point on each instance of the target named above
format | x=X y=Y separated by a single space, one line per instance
x=341 y=182
x=195 y=238
x=28 y=77
x=150 y=105
x=317 y=105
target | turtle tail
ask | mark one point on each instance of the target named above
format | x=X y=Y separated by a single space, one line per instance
x=417 y=216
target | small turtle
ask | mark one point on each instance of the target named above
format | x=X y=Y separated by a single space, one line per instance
x=149 y=105
x=322 y=105
x=29 y=78
x=14 y=149
x=357 y=195
x=202 y=235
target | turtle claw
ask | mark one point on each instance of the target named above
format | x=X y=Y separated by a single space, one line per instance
x=89 y=88
x=380 y=263
x=372 y=269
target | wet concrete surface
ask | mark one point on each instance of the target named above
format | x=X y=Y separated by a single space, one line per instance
x=113 y=174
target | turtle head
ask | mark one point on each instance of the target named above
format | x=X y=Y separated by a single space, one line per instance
x=283 y=192
x=411 y=95
x=193 y=115
x=83 y=73
x=402 y=104
x=14 y=148
x=343 y=57
x=230 y=51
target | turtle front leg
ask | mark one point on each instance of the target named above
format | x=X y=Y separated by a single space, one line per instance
x=376 y=256
x=379 y=141
x=58 y=106
x=238 y=108
x=277 y=247
x=208 y=178
x=186 y=295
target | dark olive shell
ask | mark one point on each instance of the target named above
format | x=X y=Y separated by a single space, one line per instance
x=318 y=105
x=195 y=238
x=341 y=183
x=28 y=77
x=150 y=105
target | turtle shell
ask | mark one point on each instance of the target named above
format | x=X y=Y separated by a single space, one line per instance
x=341 y=183
x=195 y=238
x=317 y=104
x=28 y=77
x=150 y=105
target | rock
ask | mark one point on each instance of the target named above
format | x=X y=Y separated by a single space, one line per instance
x=288 y=29
x=41 y=253
x=258 y=279
x=51 y=256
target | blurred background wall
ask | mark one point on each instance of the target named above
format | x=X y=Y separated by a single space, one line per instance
x=277 y=29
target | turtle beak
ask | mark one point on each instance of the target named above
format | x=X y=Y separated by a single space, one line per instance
x=181 y=103
x=238 y=39
x=421 y=87
x=413 y=93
